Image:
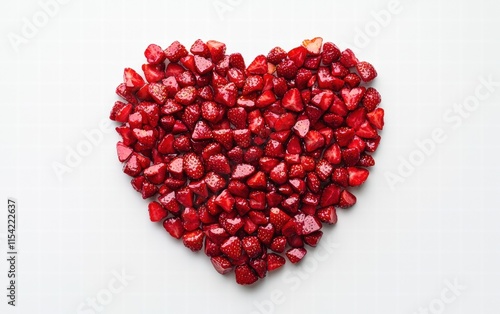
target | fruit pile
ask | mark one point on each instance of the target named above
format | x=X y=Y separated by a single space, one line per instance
x=248 y=162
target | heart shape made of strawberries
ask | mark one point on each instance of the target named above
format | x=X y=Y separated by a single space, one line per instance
x=248 y=162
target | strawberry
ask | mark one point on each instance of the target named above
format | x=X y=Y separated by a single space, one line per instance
x=245 y=275
x=366 y=71
x=313 y=238
x=192 y=166
x=371 y=99
x=292 y=100
x=120 y=112
x=274 y=261
x=232 y=247
x=348 y=59
x=357 y=176
x=199 y=48
x=287 y=69
x=251 y=245
x=174 y=227
x=154 y=54
x=193 y=240
x=257 y=181
x=278 y=244
x=156 y=212
x=265 y=233
x=258 y=66
x=278 y=218
x=132 y=79
x=224 y=137
x=330 y=53
x=313 y=141
x=236 y=61
x=298 y=56
x=295 y=255
x=347 y=199
x=376 y=118
x=175 y=52
x=221 y=264
x=327 y=215
x=217 y=50
x=225 y=200
x=202 y=65
x=276 y=55
x=219 y=164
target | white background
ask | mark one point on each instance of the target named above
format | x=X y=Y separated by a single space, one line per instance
x=392 y=253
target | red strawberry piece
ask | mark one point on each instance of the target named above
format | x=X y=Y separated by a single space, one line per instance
x=371 y=99
x=156 y=212
x=251 y=245
x=224 y=137
x=154 y=54
x=292 y=100
x=158 y=91
x=352 y=80
x=238 y=117
x=219 y=164
x=348 y=59
x=202 y=65
x=259 y=265
x=330 y=53
x=236 y=155
x=366 y=131
x=174 y=227
x=347 y=199
x=265 y=233
x=352 y=97
x=279 y=174
x=186 y=95
x=199 y=48
x=274 y=149
x=366 y=71
x=156 y=173
x=185 y=197
x=216 y=233
x=226 y=94
x=236 y=61
x=243 y=138
x=340 y=176
x=175 y=52
x=366 y=161
x=217 y=50
x=278 y=244
x=350 y=156
x=245 y=275
x=309 y=225
x=211 y=249
x=287 y=69
x=148 y=189
x=274 y=261
x=124 y=152
x=221 y=264
x=327 y=215
x=278 y=218
x=258 y=66
x=295 y=255
x=242 y=171
x=323 y=169
x=253 y=83
x=238 y=188
x=301 y=127
x=356 y=118
x=202 y=131
x=193 y=240
x=344 y=136
x=313 y=238
x=298 y=56
x=120 y=112
x=132 y=79
x=313 y=141
x=169 y=202
x=153 y=74
x=192 y=166
x=225 y=200
x=232 y=247
x=357 y=176
x=211 y=111
x=276 y=55
x=376 y=118
x=257 y=181
x=328 y=81
x=191 y=219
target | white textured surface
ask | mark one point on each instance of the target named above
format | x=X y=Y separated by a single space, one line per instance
x=392 y=252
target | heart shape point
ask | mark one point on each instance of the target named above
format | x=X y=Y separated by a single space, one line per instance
x=248 y=162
